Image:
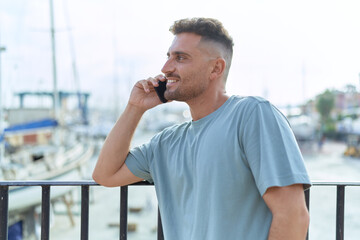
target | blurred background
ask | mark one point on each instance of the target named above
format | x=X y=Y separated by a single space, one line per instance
x=67 y=69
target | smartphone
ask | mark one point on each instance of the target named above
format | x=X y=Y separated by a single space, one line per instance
x=160 y=90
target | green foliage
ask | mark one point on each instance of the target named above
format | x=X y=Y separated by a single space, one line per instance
x=329 y=128
x=340 y=117
x=325 y=104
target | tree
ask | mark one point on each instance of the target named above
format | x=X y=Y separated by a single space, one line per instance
x=325 y=104
x=349 y=88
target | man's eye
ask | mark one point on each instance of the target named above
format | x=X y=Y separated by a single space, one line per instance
x=180 y=58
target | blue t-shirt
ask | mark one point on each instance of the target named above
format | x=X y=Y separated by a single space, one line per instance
x=210 y=174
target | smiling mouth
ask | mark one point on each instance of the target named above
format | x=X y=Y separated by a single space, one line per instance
x=171 y=81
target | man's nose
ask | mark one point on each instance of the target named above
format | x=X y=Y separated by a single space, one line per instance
x=168 y=67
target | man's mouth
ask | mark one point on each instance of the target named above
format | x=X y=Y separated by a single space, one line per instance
x=171 y=81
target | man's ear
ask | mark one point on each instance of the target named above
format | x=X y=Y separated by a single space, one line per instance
x=218 y=68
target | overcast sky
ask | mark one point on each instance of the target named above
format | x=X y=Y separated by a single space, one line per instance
x=287 y=51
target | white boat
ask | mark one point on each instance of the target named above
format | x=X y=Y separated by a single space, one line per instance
x=304 y=127
x=41 y=150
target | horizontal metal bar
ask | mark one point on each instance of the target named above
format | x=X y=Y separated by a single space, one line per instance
x=60 y=183
x=143 y=183
x=323 y=183
x=47 y=183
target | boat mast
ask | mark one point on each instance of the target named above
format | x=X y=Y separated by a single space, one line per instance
x=55 y=89
x=303 y=80
x=2 y=149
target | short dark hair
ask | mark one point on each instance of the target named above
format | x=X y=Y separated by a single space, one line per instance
x=209 y=29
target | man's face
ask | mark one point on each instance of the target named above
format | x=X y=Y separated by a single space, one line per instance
x=187 y=68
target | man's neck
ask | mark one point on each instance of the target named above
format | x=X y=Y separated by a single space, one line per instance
x=204 y=105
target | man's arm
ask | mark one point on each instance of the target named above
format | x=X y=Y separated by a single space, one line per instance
x=290 y=215
x=110 y=169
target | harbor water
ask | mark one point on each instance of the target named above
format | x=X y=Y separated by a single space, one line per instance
x=325 y=165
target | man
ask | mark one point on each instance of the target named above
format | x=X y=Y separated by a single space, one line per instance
x=233 y=172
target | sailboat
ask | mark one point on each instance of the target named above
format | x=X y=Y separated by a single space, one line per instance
x=40 y=145
x=41 y=149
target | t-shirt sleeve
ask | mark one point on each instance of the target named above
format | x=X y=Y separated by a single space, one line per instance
x=271 y=149
x=138 y=161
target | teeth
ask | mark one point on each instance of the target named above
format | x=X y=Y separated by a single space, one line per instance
x=171 y=81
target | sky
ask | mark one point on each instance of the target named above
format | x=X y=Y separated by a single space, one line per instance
x=287 y=51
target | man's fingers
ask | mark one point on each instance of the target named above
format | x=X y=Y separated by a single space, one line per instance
x=149 y=82
x=145 y=85
x=153 y=81
x=160 y=77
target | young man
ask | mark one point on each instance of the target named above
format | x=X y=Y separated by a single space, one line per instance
x=233 y=172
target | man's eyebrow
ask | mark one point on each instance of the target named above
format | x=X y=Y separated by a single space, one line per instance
x=177 y=53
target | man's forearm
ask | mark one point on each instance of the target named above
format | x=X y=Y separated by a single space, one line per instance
x=292 y=227
x=116 y=146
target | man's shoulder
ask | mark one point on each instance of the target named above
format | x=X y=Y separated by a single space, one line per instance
x=247 y=103
x=249 y=99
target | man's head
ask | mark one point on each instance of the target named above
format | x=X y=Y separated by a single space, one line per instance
x=198 y=59
x=212 y=32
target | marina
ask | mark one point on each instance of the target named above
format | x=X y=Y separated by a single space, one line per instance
x=66 y=72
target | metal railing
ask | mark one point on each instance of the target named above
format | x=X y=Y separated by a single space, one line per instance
x=340 y=204
x=85 y=186
x=45 y=206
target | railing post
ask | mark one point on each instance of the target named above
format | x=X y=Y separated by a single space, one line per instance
x=123 y=212
x=4 y=206
x=307 y=200
x=84 y=212
x=340 y=206
x=45 y=213
x=160 y=233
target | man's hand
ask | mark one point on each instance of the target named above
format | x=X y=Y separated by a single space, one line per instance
x=143 y=95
